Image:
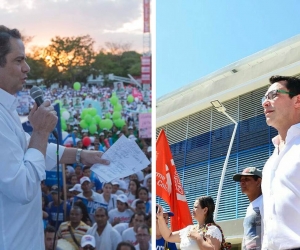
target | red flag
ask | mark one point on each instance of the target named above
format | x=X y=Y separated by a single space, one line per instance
x=168 y=185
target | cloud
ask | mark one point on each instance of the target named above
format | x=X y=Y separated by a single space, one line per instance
x=103 y=20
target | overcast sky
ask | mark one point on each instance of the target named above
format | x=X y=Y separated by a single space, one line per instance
x=118 y=21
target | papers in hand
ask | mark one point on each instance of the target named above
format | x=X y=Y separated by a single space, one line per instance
x=125 y=158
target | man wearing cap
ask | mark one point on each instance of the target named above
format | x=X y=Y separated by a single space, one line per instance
x=250 y=183
x=73 y=230
x=88 y=193
x=161 y=244
x=57 y=203
x=88 y=242
x=107 y=238
x=115 y=188
x=121 y=213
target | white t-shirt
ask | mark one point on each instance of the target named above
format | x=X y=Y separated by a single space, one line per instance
x=123 y=216
x=112 y=201
x=131 y=198
x=129 y=236
x=121 y=227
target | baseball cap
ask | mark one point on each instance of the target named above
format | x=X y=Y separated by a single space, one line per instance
x=168 y=212
x=54 y=189
x=101 y=133
x=130 y=127
x=115 y=183
x=248 y=171
x=77 y=187
x=118 y=132
x=88 y=240
x=123 y=198
x=83 y=179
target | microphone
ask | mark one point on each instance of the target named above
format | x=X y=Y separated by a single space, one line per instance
x=37 y=94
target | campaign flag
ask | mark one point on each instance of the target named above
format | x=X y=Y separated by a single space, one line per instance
x=168 y=185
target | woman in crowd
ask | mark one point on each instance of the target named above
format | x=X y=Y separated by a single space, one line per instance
x=205 y=235
x=134 y=185
x=107 y=196
x=143 y=195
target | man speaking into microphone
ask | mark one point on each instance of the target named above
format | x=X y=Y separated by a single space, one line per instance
x=25 y=158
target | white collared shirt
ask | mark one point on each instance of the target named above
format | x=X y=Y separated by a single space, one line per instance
x=22 y=171
x=281 y=194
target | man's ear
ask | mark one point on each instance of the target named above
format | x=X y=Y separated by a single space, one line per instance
x=297 y=101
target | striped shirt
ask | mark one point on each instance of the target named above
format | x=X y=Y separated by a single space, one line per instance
x=64 y=232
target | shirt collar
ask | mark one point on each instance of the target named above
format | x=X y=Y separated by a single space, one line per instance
x=9 y=101
x=291 y=133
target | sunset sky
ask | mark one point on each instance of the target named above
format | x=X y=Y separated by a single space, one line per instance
x=117 y=21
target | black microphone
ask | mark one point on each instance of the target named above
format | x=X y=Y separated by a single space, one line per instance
x=37 y=95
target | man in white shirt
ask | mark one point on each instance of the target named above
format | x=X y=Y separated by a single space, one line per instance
x=281 y=175
x=143 y=238
x=250 y=183
x=25 y=158
x=107 y=238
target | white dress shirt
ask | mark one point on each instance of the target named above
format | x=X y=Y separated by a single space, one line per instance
x=281 y=194
x=21 y=173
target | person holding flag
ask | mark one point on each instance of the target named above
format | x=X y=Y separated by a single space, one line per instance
x=168 y=185
x=205 y=235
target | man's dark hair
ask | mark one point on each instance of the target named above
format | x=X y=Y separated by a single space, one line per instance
x=49 y=229
x=85 y=168
x=292 y=83
x=144 y=226
x=5 y=46
x=103 y=209
x=139 y=214
x=76 y=208
x=139 y=202
x=125 y=244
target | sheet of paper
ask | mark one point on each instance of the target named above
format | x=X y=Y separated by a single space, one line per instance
x=125 y=158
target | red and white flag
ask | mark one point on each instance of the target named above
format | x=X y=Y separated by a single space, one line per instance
x=168 y=185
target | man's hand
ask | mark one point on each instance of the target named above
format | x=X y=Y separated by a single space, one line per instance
x=91 y=157
x=43 y=118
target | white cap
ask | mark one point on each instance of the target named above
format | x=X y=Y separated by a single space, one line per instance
x=88 y=240
x=123 y=198
x=130 y=127
x=118 y=132
x=115 y=183
x=83 y=179
x=77 y=187
x=149 y=149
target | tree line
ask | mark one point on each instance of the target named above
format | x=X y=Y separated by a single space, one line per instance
x=69 y=59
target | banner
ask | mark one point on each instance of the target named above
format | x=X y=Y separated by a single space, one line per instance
x=145 y=125
x=28 y=128
x=90 y=205
x=168 y=185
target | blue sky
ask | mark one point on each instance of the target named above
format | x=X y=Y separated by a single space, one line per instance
x=197 y=37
